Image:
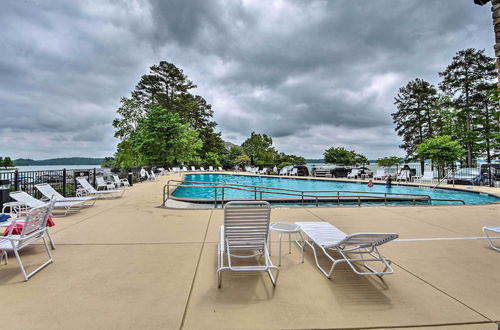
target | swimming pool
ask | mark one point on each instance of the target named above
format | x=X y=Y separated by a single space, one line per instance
x=345 y=193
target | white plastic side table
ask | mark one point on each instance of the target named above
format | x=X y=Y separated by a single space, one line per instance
x=287 y=228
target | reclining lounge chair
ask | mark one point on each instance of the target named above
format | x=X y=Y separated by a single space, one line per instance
x=244 y=236
x=356 y=249
x=115 y=193
x=496 y=231
x=60 y=208
x=47 y=191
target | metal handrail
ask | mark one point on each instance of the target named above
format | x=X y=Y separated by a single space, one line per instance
x=291 y=192
x=295 y=190
x=443 y=178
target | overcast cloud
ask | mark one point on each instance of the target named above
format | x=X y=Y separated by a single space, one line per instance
x=311 y=74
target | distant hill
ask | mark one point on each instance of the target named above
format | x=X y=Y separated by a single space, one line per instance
x=59 y=161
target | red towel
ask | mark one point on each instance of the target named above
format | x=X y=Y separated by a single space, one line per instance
x=19 y=227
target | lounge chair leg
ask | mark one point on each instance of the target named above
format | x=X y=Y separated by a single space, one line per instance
x=3 y=255
x=20 y=265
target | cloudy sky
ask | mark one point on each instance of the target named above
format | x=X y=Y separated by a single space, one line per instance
x=311 y=74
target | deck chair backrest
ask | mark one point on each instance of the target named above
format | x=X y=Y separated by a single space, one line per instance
x=293 y=171
x=246 y=225
x=404 y=174
x=428 y=175
x=27 y=199
x=193 y=168
x=100 y=181
x=86 y=185
x=48 y=191
x=380 y=173
x=367 y=239
x=36 y=219
x=116 y=179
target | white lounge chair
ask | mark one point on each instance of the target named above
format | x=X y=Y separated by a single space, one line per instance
x=220 y=169
x=184 y=169
x=193 y=169
x=243 y=236
x=263 y=171
x=495 y=230
x=48 y=192
x=99 y=180
x=34 y=228
x=379 y=175
x=353 y=174
x=103 y=193
x=210 y=168
x=202 y=169
x=120 y=182
x=60 y=208
x=427 y=177
x=404 y=175
x=294 y=171
x=356 y=249
x=152 y=175
x=283 y=171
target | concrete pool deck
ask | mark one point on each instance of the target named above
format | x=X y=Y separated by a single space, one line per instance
x=128 y=264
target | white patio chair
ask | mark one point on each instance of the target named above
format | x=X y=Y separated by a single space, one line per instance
x=427 y=177
x=184 y=169
x=120 y=182
x=103 y=193
x=495 y=230
x=34 y=228
x=379 y=175
x=210 y=168
x=202 y=169
x=283 y=171
x=193 y=169
x=263 y=171
x=356 y=249
x=48 y=192
x=403 y=175
x=220 y=169
x=244 y=236
x=60 y=208
x=353 y=174
x=294 y=171
x=152 y=175
x=99 y=180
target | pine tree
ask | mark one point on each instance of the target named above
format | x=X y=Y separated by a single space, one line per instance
x=415 y=115
x=469 y=69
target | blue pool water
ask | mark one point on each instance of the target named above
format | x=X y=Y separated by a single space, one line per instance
x=185 y=191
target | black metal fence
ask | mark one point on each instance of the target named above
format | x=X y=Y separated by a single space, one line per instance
x=64 y=181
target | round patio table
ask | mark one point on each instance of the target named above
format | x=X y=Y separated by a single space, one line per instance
x=287 y=228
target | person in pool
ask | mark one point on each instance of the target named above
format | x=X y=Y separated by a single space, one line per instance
x=370 y=183
x=388 y=182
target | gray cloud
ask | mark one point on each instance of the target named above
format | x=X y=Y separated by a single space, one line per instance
x=312 y=74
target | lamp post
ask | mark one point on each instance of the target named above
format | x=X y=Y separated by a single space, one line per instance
x=495 y=9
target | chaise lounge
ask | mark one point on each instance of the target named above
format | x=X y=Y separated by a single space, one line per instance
x=357 y=250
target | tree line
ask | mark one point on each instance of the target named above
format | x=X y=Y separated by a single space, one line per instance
x=164 y=123
x=458 y=120
x=6 y=162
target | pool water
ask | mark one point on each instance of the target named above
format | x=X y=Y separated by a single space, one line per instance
x=185 y=191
